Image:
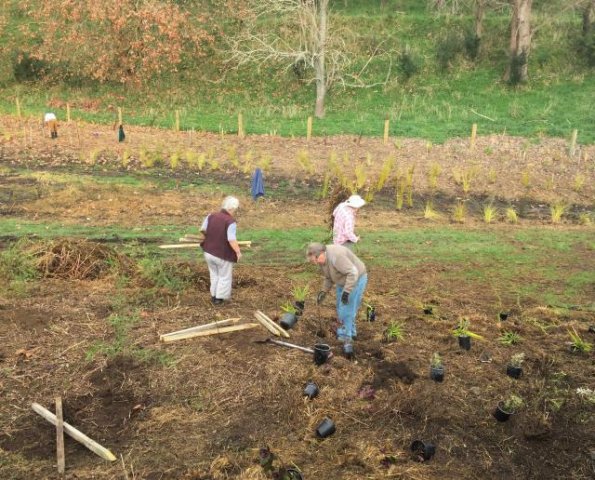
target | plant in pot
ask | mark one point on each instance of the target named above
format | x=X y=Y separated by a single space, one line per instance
x=289 y=317
x=436 y=368
x=464 y=334
x=267 y=460
x=507 y=408
x=514 y=368
x=299 y=297
x=577 y=344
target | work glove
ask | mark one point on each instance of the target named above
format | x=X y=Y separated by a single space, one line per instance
x=320 y=297
x=345 y=298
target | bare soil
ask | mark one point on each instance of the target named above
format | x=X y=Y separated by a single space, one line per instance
x=202 y=408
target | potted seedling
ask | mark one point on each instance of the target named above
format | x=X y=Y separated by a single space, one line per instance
x=370 y=313
x=299 y=297
x=514 y=368
x=436 y=368
x=267 y=460
x=503 y=315
x=507 y=408
x=577 y=344
x=465 y=335
x=289 y=317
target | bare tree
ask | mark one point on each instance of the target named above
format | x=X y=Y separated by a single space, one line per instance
x=302 y=38
x=588 y=16
x=520 y=42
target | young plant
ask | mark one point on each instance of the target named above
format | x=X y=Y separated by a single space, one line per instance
x=516 y=360
x=511 y=215
x=360 y=176
x=232 y=156
x=409 y=178
x=303 y=159
x=489 y=213
x=399 y=190
x=462 y=329
x=174 y=160
x=436 y=361
x=429 y=212
x=556 y=211
x=525 y=179
x=492 y=175
x=126 y=156
x=300 y=293
x=265 y=162
x=289 y=307
x=585 y=219
x=324 y=190
x=577 y=344
x=459 y=212
x=385 y=172
x=394 y=331
x=509 y=338
x=579 y=182
x=512 y=403
x=433 y=174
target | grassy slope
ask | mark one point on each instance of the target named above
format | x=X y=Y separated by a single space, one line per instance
x=433 y=105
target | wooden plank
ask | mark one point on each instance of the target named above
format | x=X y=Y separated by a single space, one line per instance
x=276 y=329
x=266 y=325
x=200 y=328
x=74 y=433
x=180 y=245
x=198 y=239
x=216 y=331
x=60 y=436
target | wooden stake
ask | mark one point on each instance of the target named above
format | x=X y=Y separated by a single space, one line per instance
x=215 y=331
x=240 y=125
x=572 y=149
x=386 y=128
x=200 y=328
x=119 y=116
x=244 y=243
x=177 y=120
x=309 y=129
x=60 y=436
x=473 y=135
x=18 y=103
x=270 y=325
x=74 y=433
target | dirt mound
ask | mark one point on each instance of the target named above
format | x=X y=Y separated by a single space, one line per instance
x=76 y=259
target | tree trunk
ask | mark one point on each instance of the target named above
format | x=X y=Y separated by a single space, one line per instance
x=480 y=13
x=319 y=62
x=588 y=14
x=520 y=42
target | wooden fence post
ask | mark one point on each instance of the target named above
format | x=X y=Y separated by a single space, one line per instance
x=18 y=104
x=119 y=116
x=60 y=436
x=473 y=135
x=572 y=148
x=309 y=129
x=386 y=129
x=240 y=125
x=177 y=120
x=68 y=112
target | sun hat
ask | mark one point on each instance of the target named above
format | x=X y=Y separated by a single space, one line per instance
x=355 y=201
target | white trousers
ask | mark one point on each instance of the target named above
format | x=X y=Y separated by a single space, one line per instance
x=220 y=272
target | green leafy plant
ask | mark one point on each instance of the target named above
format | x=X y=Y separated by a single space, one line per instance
x=304 y=161
x=556 y=211
x=385 y=172
x=579 y=182
x=525 y=178
x=511 y=215
x=399 y=191
x=361 y=176
x=436 y=361
x=517 y=360
x=394 y=331
x=577 y=344
x=489 y=213
x=459 y=212
x=509 y=338
x=462 y=329
x=433 y=174
x=429 y=212
x=300 y=293
x=512 y=403
x=585 y=219
x=289 y=307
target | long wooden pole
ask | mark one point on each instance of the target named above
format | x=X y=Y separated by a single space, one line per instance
x=60 y=436
x=74 y=433
x=200 y=328
x=206 y=333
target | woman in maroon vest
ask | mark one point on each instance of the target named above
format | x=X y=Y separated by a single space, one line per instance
x=221 y=248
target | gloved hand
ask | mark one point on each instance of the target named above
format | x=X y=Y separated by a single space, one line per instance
x=345 y=298
x=320 y=297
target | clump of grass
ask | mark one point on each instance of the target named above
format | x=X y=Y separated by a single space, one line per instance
x=489 y=213
x=264 y=163
x=433 y=174
x=361 y=175
x=300 y=293
x=394 y=331
x=577 y=344
x=579 y=182
x=459 y=212
x=526 y=178
x=509 y=338
x=585 y=219
x=126 y=156
x=174 y=160
x=385 y=172
x=399 y=191
x=556 y=211
x=492 y=175
x=326 y=183
x=409 y=185
x=304 y=161
x=247 y=161
x=464 y=178
x=511 y=215
x=429 y=212
x=94 y=155
x=232 y=156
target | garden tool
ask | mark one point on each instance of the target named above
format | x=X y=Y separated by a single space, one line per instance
x=286 y=344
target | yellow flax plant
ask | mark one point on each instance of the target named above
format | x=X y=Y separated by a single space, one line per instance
x=326 y=184
x=433 y=173
x=385 y=171
x=264 y=162
x=145 y=157
x=429 y=212
x=174 y=160
x=492 y=176
x=248 y=162
x=579 y=182
x=511 y=215
x=304 y=162
x=409 y=184
x=400 y=185
x=557 y=210
x=232 y=156
x=585 y=219
x=361 y=176
x=459 y=213
x=94 y=156
x=126 y=158
x=526 y=178
x=490 y=213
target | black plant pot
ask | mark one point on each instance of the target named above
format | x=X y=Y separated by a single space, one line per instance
x=503 y=315
x=437 y=374
x=311 y=390
x=422 y=451
x=514 y=372
x=294 y=474
x=326 y=428
x=288 y=320
x=465 y=342
x=592 y=329
x=322 y=353
x=500 y=414
x=299 y=306
x=428 y=310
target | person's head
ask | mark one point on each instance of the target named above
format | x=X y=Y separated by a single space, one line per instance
x=355 y=201
x=316 y=253
x=230 y=204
